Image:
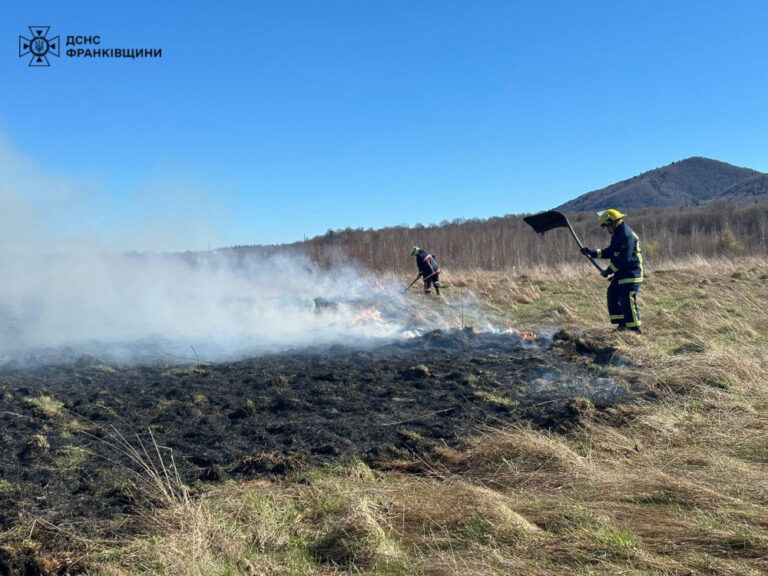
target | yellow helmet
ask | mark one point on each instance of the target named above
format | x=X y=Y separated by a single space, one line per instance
x=414 y=249
x=609 y=216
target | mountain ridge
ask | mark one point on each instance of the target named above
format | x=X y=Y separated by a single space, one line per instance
x=688 y=182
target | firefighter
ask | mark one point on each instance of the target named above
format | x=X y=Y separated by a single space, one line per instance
x=428 y=269
x=626 y=267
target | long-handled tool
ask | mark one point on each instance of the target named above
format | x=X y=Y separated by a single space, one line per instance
x=412 y=283
x=545 y=221
x=417 y=279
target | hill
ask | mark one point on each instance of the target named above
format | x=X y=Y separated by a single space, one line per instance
x=754 y=189
x=689 y=182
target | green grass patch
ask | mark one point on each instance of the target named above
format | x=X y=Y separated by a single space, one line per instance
x=47 y=405
x=496 y=399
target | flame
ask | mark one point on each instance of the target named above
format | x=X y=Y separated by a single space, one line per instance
x=529 y=336
x=367 y=314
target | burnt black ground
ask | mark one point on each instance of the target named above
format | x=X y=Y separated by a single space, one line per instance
x=273 y=414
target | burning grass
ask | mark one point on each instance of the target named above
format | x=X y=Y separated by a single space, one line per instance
x=676 y=484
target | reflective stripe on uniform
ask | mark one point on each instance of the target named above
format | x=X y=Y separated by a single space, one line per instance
x=630 y=280
x=633 y=307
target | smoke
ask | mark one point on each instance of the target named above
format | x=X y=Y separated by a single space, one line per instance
x=50 y=212
x=215 y=305
x=68 y=287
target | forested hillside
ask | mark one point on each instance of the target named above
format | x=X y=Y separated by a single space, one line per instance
x=689 y=182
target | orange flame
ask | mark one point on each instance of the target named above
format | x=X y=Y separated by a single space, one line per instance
x=367 y=314
x=530 y=336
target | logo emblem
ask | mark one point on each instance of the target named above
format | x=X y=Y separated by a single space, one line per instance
x=39 y=46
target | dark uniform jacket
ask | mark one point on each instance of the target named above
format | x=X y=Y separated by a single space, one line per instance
x=426 y=263
x=625 y=254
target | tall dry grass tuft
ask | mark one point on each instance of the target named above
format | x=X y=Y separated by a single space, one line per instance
x=153 y=467
x=227 y=531
x=357 y=536
x=514 y=457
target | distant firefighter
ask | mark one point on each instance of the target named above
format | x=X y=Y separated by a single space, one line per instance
x=626 y=267
x=428 y=269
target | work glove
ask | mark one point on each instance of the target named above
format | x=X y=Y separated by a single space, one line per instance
x=607 y=272
x=589 y=252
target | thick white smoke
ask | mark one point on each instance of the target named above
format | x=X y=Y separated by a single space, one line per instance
x=68 y=287
x=216 y=305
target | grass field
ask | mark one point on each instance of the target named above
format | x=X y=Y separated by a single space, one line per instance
x=676 y=485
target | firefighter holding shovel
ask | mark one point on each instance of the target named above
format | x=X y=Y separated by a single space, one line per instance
x=428 y=269
x=625 y=255
x=626 y=269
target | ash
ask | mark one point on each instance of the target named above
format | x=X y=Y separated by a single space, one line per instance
x=273 y=414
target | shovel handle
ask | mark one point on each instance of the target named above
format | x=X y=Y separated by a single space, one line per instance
x=595 y=264
x=412 y=283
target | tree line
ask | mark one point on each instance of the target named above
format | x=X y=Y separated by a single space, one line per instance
x=507 y=242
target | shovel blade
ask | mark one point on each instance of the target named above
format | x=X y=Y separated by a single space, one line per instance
x=544 y=221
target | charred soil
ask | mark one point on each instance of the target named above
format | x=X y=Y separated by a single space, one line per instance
x=62 y=426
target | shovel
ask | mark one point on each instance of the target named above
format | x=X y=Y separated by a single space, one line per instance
x=545 y=221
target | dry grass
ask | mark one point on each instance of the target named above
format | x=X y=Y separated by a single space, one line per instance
x=674 y=486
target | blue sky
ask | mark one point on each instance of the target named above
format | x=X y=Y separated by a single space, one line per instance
x=265 y=122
